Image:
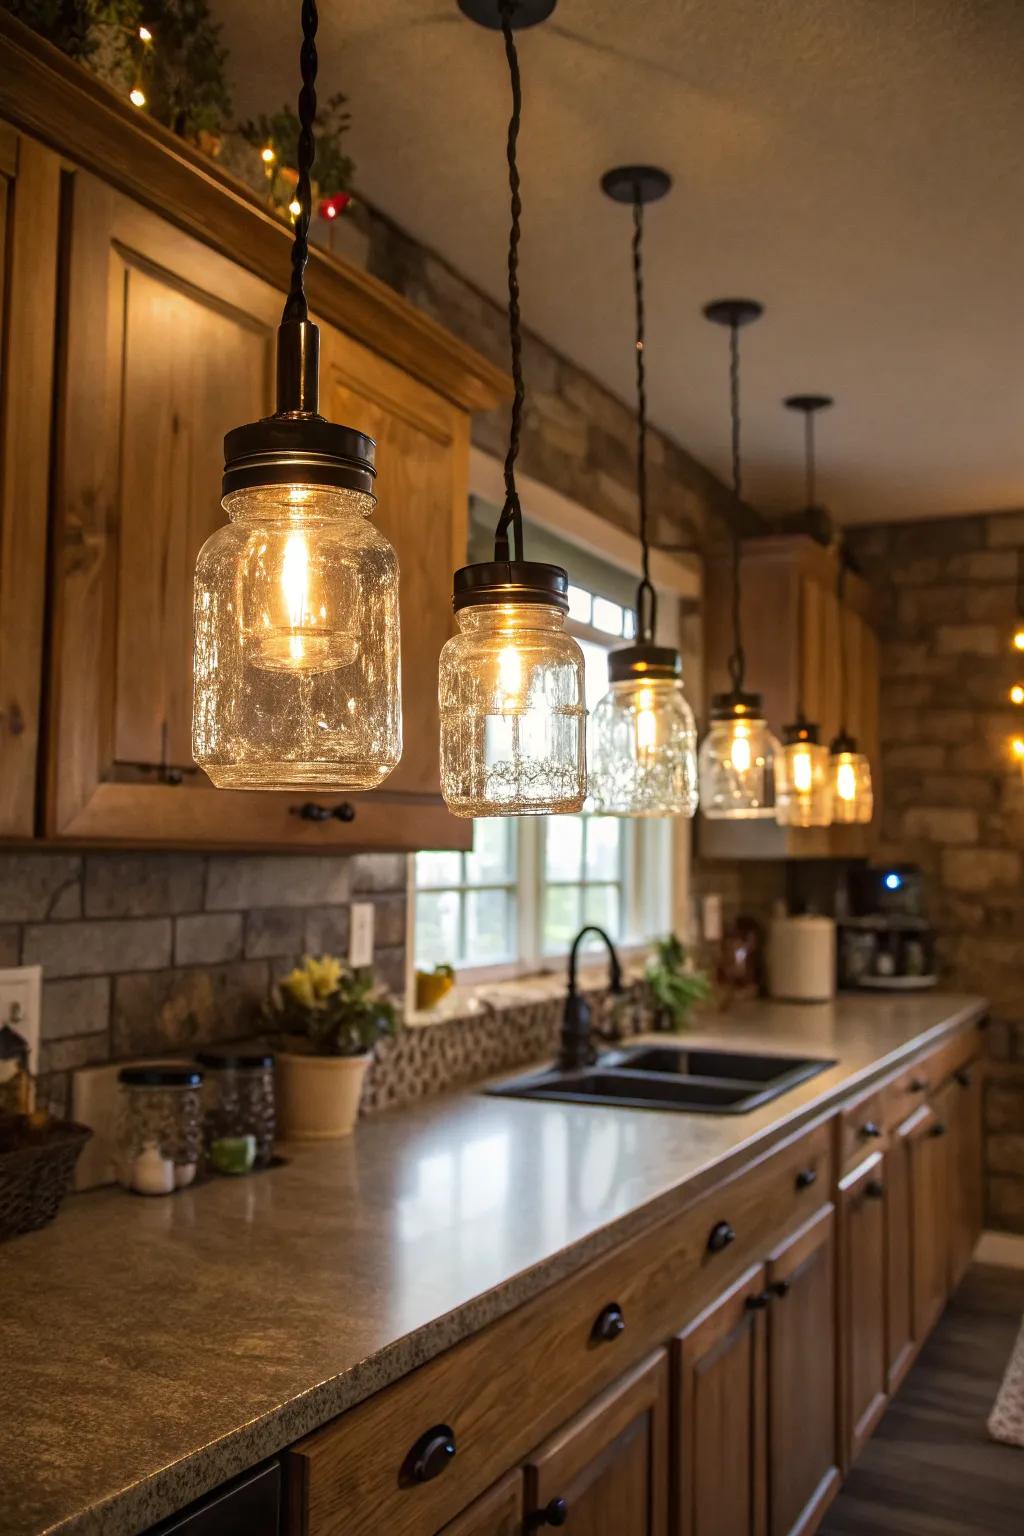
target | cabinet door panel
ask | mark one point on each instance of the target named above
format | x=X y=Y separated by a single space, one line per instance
x=899 y=1261
x=609 y=1463
x=422 y=507
x=720 y=1433
x=497 y=1513
x=928 y=1145
x=862 y=1283
x=29 y=211
x=802 y=1442
x=965 y=1168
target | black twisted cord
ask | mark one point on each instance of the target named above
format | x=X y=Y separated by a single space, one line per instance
x=296 y=307
x=646 y=598
x=809 y=456
x=737 y=661
x=512 y=512
x=840 y=593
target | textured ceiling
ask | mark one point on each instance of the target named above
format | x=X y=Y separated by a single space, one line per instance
x=854 y=164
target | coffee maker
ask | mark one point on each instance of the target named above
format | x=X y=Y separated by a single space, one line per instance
x=885 y=941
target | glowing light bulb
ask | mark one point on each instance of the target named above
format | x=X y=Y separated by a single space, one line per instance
x=1017 y=694
x=739 y=754
x=846 y=780
x=267 y=154
x=1017 y=748
x=295 y=586
x=1018 y=640
x=646 y=723
x=803 y=772
x=510 y=676
x=145 y=35
x=294 y=207
x=137 y=96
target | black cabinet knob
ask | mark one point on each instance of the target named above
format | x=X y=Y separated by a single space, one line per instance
x=610 y=1323
x=874 y=1189
x=555 y=1512
x=919 y=1085
x=938 y=1130
x=720 y=1237
x=431 y=1454
x=781 y=1287
x=806 y=1177
x=963 y=1077
x=311 y=811
x=870 y=1129
x=759 y=1302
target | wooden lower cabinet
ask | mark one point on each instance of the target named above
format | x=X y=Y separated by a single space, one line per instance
x=899 y=1273
x=803 y=1470
x=928 y=1147
x=861 y=1294
x=497 y=1513
x=963 y=1106
x=606 y=1472
x=719 y=1442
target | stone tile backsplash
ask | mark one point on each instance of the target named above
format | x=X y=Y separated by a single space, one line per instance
x=150 y=952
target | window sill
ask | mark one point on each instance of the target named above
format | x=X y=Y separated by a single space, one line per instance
x=468 y=999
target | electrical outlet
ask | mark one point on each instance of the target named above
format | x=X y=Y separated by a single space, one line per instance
x=360 y=935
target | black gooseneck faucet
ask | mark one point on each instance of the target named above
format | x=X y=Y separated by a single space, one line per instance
x=578 y=1049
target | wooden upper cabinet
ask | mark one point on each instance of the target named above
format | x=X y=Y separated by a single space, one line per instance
x=608 y=1466
x=168 y=345
x=29 y=212
x=795 y=632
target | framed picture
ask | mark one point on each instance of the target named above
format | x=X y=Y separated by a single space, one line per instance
x=20 y=1002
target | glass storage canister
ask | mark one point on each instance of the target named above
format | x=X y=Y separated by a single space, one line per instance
x=159 y=1130
x=238 y=1107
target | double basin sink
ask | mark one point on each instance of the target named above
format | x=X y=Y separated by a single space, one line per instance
x=707 y=1082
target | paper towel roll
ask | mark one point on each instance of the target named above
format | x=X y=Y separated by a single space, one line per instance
x=802 y=959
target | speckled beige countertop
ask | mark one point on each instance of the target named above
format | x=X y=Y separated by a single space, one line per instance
x=150 y=1349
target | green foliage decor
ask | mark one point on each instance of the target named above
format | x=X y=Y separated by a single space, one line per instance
x=675 y=983
x=329 y=1009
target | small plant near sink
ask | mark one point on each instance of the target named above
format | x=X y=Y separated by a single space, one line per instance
x=330 y=1018
x=675 y=983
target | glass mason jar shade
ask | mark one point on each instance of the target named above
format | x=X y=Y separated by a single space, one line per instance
x=853 y=800
x=803 y=784
x=737 y=760
x=643 y=739
x=513 y=721
x=297 y=643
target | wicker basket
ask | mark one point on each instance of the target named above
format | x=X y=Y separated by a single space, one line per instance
x=36 y=1169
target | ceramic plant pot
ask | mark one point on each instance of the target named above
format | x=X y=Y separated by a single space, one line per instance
x=318 y=1096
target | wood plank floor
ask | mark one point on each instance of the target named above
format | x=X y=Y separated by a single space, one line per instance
x=930 y=1468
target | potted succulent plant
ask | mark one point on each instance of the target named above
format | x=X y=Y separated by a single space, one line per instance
x=330 y=1018
x=675 y=983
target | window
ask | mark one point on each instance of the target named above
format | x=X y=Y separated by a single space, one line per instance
x=529 y=885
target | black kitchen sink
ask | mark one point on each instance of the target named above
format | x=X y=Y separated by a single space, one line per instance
x=697 y=1081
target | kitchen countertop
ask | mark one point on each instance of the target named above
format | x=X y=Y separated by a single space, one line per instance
x=151 y=1349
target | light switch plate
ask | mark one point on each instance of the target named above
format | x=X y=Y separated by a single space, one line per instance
x=360 y=935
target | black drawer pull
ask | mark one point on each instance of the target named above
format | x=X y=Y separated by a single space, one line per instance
x=720 y=1237
x=874 y=1189
x=311 y=811
x=555 y=1512
x=938 y=1130
x=870 y=1129
x=610 y=1323
x=806 y=1177
x=431 y=1455
x=781 y=1288
x=963 y=1077
x=919 y=1085
x=759 y=1302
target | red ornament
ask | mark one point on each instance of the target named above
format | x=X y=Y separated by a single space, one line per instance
x=332 y=207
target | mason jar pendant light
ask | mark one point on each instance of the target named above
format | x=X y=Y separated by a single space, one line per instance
x=853 y=800
x=296 y=600
x=510 y=686
x=643 y=740
x=803 y=785
x=737 y=756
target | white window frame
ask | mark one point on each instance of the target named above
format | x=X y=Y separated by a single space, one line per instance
x=665 y=883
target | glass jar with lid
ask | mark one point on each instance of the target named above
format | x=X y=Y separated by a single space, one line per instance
x=238 y=1106
x=159 y=1131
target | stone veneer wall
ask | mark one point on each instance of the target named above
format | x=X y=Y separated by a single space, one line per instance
x=953 y=797
x=160 y=952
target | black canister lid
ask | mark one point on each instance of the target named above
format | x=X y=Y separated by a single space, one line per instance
x=164 y=1074
x=634 y=663
x=511 y=581
x=245 y=1056
x=298 y=448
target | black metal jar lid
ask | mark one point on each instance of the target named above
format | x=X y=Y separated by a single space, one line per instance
x=843 y=743
x=246 y=1056
x=737 y=706
x=161 y=1075
x=298 y=449
x=640 y=663
x=511 y=581
x=801 y=731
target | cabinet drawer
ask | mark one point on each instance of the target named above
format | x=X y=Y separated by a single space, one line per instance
x=498 y=1394
x=926 y=1076
x=862 y=1127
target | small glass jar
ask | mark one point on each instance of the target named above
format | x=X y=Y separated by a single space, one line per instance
x=803 y=784
x=737 y=760
x=643 y=740
x=297 y=681
x=853 y=800
x=513 y=720
x=238 y=1107
x=159 y=1131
